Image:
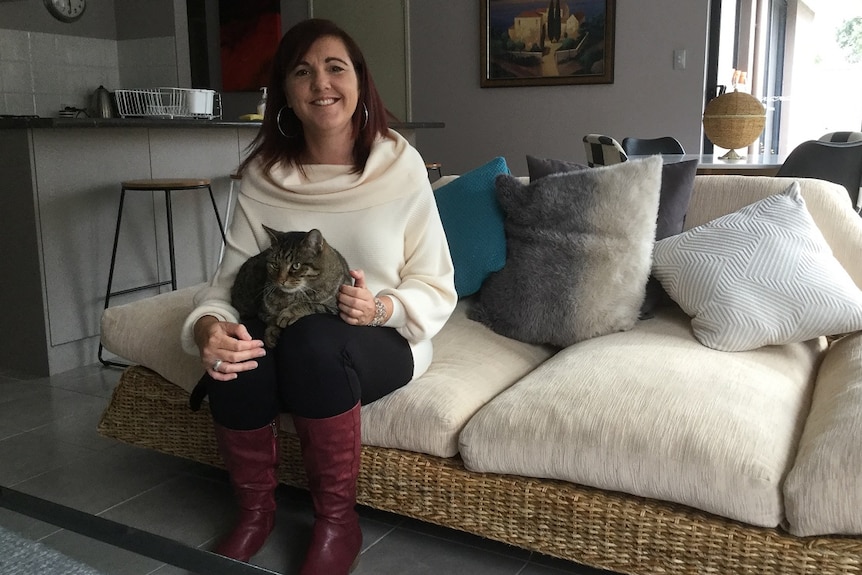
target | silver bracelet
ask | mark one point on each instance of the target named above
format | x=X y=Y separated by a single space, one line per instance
x=379 y=313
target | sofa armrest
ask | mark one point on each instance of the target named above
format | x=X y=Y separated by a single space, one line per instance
x=828 y=203
x=823 y=491
x=147 y=332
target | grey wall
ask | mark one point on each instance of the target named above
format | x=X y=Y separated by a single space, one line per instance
x=32 y=16
x=143 y=18
x=648 y=97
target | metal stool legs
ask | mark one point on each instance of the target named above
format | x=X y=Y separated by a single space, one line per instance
x=171 y=250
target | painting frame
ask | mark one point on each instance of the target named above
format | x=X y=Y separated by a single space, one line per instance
x=502 y=66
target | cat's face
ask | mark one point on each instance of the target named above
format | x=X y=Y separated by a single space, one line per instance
x=294 y=260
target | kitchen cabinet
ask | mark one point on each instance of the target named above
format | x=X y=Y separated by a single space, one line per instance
x=58 y=216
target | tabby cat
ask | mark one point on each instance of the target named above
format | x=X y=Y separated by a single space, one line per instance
x=298 y=275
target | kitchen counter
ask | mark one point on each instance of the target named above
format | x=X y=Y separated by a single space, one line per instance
x=59 y=211
x=138 y=122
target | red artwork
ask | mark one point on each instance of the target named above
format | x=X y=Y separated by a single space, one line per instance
x=249 y=35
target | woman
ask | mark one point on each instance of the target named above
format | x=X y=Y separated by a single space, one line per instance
x=324 y=158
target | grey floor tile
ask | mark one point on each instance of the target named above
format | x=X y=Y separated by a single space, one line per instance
x=101 y=556
x=463 y=538
x=130 y=471
x=28 y=455
x=92 y=380
x=26 y=526
x=43 y=404
x=79 y=429
x=544 y=565
x=12 y=389
x=408 y=552
x=539 y=561
x=187 y=509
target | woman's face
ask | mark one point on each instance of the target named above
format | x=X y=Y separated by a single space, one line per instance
x=323 y=88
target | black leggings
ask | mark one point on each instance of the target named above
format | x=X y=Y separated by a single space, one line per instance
x=320 y=367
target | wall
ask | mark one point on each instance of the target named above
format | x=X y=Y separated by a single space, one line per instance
x=46 y=65
x=648 y=97
x=383 y=35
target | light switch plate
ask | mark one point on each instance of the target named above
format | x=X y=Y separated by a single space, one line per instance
x=679 y=59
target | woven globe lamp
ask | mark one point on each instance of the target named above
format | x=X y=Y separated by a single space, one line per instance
x=733 y=120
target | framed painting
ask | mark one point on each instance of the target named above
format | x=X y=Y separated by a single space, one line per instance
x=249 y=33
x=546 y=43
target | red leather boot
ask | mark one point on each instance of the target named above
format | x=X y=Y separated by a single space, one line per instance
x=251 y=458
x=331 y=452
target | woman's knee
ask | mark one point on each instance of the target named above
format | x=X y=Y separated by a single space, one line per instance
x=313 y=343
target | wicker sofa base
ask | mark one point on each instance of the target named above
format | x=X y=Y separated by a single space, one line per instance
x=604 y=529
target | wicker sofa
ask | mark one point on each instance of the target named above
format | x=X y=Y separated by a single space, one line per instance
x=424 y=446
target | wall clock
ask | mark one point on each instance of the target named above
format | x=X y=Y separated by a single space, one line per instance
x=66 y=10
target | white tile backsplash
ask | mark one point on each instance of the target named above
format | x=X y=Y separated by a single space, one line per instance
x=43 y=73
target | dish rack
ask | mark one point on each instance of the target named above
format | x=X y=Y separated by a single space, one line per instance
x=169 y=103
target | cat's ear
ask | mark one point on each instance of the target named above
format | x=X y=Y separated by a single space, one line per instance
x=314 y=240
x=273 y=235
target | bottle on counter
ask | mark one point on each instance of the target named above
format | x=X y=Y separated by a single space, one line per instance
x=261 y=105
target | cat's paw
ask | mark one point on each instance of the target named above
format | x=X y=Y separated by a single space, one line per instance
x=270 y=336
x=286 y=319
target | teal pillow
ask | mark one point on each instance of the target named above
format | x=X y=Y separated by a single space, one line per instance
x=473 y=222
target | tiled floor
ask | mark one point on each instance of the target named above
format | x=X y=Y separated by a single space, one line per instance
x=49 y=448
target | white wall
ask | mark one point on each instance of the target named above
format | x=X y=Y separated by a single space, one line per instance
x=648 y=97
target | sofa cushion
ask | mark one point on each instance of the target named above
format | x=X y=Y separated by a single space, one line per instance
x=653 y=413
x=471 y=365
x=823 y=491
x=538 y=168
x=473 y=224
x=763 y=275
x=677 y=184
x=579 y=247
x=147 y=332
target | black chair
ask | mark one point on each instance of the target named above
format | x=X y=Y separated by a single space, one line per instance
x=840 y=163
x=841 y=137
x=650 y=146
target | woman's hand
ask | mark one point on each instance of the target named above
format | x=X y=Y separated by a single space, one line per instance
x=226 y=348
x=356 y=303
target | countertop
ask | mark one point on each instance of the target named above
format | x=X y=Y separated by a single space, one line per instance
x=57 y=123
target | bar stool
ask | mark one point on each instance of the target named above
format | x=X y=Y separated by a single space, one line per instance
x=168 y=186
x=435 y=167
x=235 y=180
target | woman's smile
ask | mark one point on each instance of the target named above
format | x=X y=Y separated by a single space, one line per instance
x=323 y=89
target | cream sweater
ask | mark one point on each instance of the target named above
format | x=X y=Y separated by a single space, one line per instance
x=383 y=221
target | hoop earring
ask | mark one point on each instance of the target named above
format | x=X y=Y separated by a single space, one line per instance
x=278 y=123
x=365 y=115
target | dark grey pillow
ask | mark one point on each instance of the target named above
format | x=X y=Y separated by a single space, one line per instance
x=541 y=167
x=677 y=183
x=579 y=249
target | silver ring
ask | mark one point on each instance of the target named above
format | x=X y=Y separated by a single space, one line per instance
x=217 y=364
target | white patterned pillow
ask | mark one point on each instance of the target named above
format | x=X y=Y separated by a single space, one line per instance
x=760 y=276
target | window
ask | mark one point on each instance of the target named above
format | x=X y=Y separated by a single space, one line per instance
x=801 y=58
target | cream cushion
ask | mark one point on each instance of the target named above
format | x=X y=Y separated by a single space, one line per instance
x=823 y=492
x=654 y=413
x=147 y=331
x=471 y=365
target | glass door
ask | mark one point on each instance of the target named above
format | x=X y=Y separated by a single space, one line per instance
x=801 y=58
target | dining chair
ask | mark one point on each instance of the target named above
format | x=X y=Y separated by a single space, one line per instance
x=836 y=162
x=650 y=146
x=603 y=150
x=841 y=137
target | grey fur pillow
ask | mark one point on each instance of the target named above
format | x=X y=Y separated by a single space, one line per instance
x=579 y=250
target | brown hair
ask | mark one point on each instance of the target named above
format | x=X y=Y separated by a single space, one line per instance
x=271 y=146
